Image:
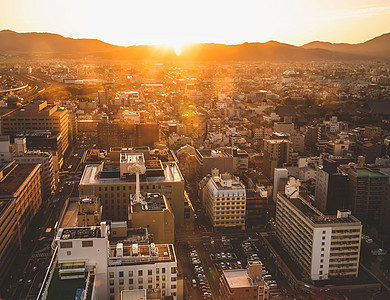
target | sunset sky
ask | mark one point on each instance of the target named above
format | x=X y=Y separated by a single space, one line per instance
x=178 y=21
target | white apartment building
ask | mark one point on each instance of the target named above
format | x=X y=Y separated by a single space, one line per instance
x=224 y=199
x=324 y=246
x=113 y=265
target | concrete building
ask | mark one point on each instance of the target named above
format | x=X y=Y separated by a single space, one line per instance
x=119 y=133
x=154 y=212
x=331 y=192
x=324 y=246
x=113 y=183
x=367 y=190
x=244 y=284
x=280 y=180
x=224 y=199
x=18 y=152
x=109 y=266
x=225 y=159
x=276 y=153
x=20 y=199
x=39 y=116
x=89 y=212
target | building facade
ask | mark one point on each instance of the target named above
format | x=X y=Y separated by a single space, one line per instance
x=324 y=246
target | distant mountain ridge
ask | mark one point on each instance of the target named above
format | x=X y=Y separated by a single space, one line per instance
x=47 y=43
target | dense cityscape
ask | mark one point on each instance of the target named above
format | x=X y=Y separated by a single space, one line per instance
x=194 y=171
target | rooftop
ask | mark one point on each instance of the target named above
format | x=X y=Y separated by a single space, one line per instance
x=155 y=173
x=238 y=278
x=64 y=289
x=13 y=177
x=315 y=216
x=79 y=233
x=152 y=202
x=135 y=254
x=365 y=172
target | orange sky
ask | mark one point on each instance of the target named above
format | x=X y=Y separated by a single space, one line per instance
x=174 y=22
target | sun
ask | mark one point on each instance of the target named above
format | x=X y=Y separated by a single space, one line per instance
x=177 y=47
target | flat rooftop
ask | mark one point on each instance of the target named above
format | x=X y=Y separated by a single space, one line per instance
x=134 y=295
x=364 y=172
x=64 y=289
x=213 y=153
x=238 y=278
x=91 y=176
x=134 y=254
x=315 y=216
x=14 y=176
x=79 y=233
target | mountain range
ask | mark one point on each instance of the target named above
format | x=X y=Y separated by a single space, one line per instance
x=33 y=43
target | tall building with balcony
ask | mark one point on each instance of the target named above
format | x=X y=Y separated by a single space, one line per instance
x=20 y=199
x=324 y=246
x=39 y=116
x=224 y=199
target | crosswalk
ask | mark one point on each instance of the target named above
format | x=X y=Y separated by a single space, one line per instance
x=40 y=255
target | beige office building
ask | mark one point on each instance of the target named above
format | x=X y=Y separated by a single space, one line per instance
x=224 y=199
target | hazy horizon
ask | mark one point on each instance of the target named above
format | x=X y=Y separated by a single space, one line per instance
x=173 y=22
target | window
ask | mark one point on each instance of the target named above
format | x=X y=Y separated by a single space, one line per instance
x=87 y=243
x=121 y=274
x=112 y=290
x=163 y=270
x=150 y=280
x=173 y=286
x=111 y=274
x=163 y=278
x=131 y=281
x=111 y=281
x=68 y=252
x=66 y=245
x=173 y=279
x=121 y=282
x=157 y=271
x=149 y=272
x=130 y=273
x=140 y=280
x=173 y=270
x=140 y=273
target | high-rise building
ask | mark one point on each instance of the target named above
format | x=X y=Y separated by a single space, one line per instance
x=38 y=116
x=116 y=133
x=105 y=266
x=276 y=153
x=331 y=193
x=18 y=152
x=324 y=246
x=224 y=199
x=114 y=181
x=367 y=190
x=20 y=199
